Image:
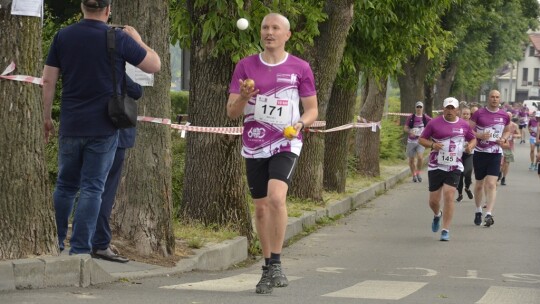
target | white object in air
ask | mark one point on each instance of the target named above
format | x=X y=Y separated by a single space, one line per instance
x=242 y=24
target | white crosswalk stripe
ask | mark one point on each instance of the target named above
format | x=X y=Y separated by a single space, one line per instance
x=380 y=290
x=369 y=289
x=510 y=295
x=241 y=282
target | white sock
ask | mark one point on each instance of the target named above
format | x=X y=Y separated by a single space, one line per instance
x=479 y=209
x=488 y=213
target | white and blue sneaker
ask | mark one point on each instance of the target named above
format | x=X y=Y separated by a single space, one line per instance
x=445 y=235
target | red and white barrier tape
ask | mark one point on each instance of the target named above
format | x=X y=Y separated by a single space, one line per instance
x=23 y=78
x=238 y=130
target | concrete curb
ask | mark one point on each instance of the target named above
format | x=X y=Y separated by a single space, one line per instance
x=82 y=270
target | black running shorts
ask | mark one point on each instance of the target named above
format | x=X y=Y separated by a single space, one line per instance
x=260 y=170
x=439 y=177
x=485 y=164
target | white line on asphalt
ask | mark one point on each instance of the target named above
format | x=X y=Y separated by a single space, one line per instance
x=382 y=290
x=510 y=295
x=241 y=282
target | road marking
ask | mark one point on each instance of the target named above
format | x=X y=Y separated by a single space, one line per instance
x=473 y=275
x=510 y=295
x=522 y=278
x=241 y=282
x=381 y=290
x=428 y=272
x=330 y=269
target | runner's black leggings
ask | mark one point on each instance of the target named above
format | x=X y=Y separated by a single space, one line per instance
x=467 y=172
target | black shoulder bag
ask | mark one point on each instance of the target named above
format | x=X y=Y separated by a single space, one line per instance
x=122 y=108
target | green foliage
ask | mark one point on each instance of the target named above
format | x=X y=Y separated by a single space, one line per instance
x=178 y=163
x=218 y=19
x=386 y=33
x=392 y=147
x=179 y=103
x=488 y=34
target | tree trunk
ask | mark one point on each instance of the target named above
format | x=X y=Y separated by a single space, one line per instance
x=143 y=212
x=214 y=190
x=444 y=84
x=429 y=99
x=27 y=225
x=308 y=179
x=340 y=112
x=411 y=83
x=367 y=141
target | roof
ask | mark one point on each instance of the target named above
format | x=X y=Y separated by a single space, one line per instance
x=535 y=40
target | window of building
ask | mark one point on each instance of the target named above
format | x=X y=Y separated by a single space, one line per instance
x=525 y=77
x=532 y=51
x=536 y=76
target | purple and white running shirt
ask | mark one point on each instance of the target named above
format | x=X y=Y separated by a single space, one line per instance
x=418 y=127
x=523 y=116
x=493 y=123
x=533 y=127
x=276 y=106
x=453 y=136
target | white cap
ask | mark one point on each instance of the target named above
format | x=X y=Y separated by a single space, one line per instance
x=451 y=101
x=419 y=104
x=537 y=114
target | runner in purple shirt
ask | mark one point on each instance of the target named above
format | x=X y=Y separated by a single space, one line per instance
x=282 y=81
x=523 y=120
x=491 y=126
x=448 y=136
x=414 y=125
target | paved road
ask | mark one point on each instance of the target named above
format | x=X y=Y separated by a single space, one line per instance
x=383 y=253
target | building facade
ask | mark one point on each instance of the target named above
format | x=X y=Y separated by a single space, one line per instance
x=521 y=80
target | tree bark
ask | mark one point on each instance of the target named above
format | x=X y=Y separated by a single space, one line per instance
x=27 y=225
x=337 y=144
x=444 y=84
x=214 y=190
x=143 y=212
x=411 y=83
x=325 y=56
x=367 y=141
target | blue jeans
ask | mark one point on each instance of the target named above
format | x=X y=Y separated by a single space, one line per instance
x=83 y=165
x=102 y=236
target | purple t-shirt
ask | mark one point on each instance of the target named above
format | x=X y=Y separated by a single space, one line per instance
x=523 y=116
x=454 y=136
x=533 y=126
x=418 y=127
x=492 y=122
x=276 y=106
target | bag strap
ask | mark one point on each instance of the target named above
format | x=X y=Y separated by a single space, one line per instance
x=111 y=48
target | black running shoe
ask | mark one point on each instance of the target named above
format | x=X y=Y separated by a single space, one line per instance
x=503 y=181
x=419 y=178
x=459 y=198
x=488 y=221
x=478 y=218
x=265 y=284
x=277 y=277
x=469 y=193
